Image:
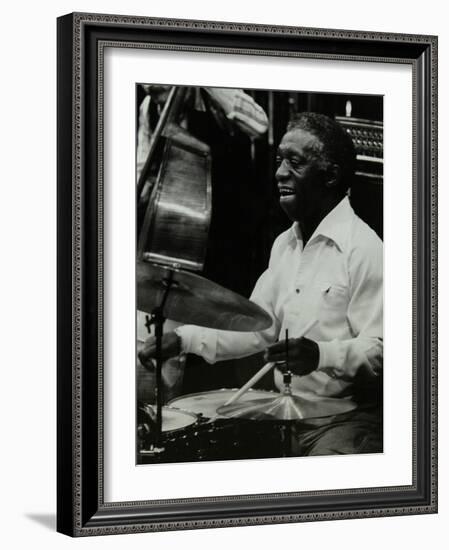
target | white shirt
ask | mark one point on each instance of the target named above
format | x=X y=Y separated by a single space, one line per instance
x=337 y=280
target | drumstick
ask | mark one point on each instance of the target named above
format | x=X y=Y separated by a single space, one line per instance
x=262 y=372
x=266 y=368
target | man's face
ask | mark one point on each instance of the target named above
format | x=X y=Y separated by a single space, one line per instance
x=300 y=176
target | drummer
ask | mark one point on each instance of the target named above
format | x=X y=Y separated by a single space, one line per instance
x=328 y=267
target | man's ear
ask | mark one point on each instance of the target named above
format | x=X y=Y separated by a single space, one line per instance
x=333 y=175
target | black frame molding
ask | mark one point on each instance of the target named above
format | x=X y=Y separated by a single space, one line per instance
x=81 y=510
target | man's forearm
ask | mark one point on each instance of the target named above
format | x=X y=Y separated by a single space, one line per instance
x=343 y=358
x=219 y=345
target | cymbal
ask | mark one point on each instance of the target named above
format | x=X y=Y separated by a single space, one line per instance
x=195 y=300
x=285 y=407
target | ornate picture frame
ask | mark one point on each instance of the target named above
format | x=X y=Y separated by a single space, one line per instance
x=81 y=508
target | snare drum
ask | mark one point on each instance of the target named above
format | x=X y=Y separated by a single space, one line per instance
x=205 y=404
x=221 y=439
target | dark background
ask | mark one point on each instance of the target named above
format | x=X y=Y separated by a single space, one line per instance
x=246 y=216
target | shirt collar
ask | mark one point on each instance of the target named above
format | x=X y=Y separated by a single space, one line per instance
x=334 y=226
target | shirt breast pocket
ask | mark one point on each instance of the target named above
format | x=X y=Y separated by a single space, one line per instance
x=334 y=297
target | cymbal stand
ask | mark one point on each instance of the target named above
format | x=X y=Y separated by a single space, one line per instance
x=287 y=391
x=286 y=427
x=158 y=320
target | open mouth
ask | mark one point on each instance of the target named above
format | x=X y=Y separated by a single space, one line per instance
x=286 y=191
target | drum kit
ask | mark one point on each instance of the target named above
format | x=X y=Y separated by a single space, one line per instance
x=221 y=424
x=224 y=423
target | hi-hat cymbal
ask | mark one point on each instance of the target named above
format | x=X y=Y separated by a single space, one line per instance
x=195 y=300
x=285 y=406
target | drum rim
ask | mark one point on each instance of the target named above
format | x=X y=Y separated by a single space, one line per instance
x=195 y=416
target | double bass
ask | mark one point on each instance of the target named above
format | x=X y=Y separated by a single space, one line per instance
x=177 y=219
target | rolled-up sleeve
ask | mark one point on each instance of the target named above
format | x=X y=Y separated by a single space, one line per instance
x=241 y=109
x=143 y=135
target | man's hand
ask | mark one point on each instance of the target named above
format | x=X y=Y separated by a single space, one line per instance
x=158 y=93
x=303 y=355
x=171 y=346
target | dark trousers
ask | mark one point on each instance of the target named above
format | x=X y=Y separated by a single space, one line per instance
x=355 y=432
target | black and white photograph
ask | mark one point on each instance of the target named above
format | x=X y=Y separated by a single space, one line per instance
x=220 y=327
x=259 y=273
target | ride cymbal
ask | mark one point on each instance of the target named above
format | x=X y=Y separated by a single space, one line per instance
x=195 y=300
x=285 y=407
